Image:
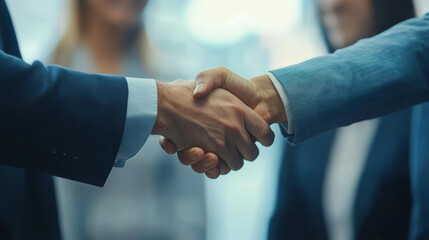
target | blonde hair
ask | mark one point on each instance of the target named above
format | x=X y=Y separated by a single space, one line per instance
x=74 y=34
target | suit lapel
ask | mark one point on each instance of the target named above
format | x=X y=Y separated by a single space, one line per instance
x=304 y=166
x=384 y=177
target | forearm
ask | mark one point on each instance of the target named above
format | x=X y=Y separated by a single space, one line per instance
x=164 y=110
x=270 y=105
x=374 y=77
x=59 y=121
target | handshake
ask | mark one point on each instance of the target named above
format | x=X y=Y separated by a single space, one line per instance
x=214 y=122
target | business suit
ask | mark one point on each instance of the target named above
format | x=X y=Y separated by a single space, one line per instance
x=55 y=121
x=369 y=79
x=27 y=200
x=383 y=200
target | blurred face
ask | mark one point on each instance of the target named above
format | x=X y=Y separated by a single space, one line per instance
x=347 y=21
x=121 y=13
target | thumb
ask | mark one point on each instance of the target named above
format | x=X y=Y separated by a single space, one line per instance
x=208 y=80
x=221 y=77
x=167 y=145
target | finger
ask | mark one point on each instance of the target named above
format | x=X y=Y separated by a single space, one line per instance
x=232 y=158
x=209 y=161
x=258 y=127
x=213 y=173
x=167 y=145
x=209 y=80
x=221 y=77
x=223 y=167
x=191 y=155
x=247 y=147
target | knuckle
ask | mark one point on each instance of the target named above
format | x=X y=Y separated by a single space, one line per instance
x=238 y=165
x=202 y=75
x=237 y=108
x=184 y=158
x=184 y=161
x=197 y=168
x=234 y=129
x=233 y=126
x=213 y=173
x=224 y=170
x=220 y=143
x=223 y=70
x=253 y=155
x=263 y=132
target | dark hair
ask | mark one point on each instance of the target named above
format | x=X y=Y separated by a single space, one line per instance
x=387 y=13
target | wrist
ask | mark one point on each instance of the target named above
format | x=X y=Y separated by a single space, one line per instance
x=161 y=122
x=271 y=106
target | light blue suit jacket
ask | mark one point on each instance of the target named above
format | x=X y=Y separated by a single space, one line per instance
x=374 y=77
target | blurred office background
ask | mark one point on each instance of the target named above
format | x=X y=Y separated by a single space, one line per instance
x=249 y=37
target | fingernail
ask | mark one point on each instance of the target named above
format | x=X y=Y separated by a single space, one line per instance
x=199 y=88
x=207 y=164
x=194 y=156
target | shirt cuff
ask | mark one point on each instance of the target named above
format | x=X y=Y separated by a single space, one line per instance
x=288 y=126
x=142 y=110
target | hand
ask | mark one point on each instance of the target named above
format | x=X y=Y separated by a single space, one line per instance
x=200 y=162
x=258 y=93
x=219 y=123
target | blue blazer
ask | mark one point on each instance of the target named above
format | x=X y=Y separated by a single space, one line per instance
x=55 y=121
x=375 y=76
x=383 y=200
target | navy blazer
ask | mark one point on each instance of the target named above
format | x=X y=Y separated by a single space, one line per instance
x=383 y=199
x=55 y=121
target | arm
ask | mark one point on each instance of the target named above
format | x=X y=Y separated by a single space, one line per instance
x=374 y=77
x=71 y=124
x=58 y=121
x=369 y=79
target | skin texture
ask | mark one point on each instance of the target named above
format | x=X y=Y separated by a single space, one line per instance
x=258 y=93
x=219 y=123
x=117 y=20
x=347 y=21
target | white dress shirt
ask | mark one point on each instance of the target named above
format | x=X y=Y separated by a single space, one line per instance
x=347 y=159
x=142 y=109
x=288 y=126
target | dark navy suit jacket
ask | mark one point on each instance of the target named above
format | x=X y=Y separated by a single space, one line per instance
x=383 y=200
x=55 y=121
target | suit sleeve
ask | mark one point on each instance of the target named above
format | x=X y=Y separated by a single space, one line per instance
x=60 y=122
x=374 y=77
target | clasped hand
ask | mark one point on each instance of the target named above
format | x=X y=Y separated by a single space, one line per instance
x=214 y=122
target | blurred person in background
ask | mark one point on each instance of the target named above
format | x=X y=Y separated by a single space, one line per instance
x=166 y=202
x=353 y=182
